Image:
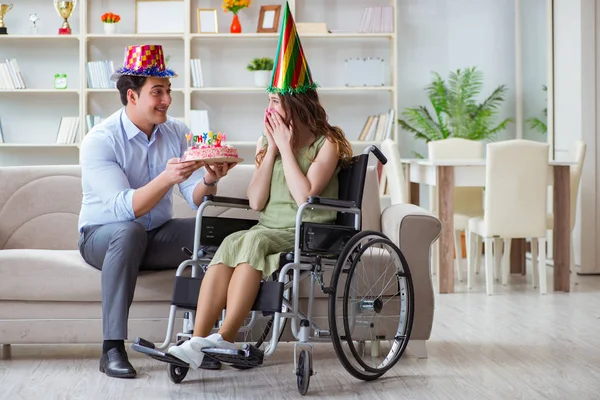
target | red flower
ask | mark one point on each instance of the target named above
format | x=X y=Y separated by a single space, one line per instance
x=110 y=18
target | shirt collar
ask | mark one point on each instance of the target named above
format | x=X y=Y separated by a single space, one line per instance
x=130 y=129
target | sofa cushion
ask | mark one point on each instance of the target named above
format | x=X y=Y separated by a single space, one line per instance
x=63 y=275
x=39 y=207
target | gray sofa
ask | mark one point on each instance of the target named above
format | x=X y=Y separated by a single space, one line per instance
x=48 y=294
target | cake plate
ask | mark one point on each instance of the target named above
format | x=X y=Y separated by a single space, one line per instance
x=218 y=160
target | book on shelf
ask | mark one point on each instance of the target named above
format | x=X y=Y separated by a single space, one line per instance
x=10 y=75
x=379 y=19
x=67 y=130
x=92 y=120
x=378 y=127
x=196 y=70
x=199 y=122
x=98 y=74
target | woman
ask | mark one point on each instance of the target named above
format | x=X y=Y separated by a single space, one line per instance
x=299 y=157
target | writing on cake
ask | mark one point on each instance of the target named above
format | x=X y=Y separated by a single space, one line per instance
x=209 y=146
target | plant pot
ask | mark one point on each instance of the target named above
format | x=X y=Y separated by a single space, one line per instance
x=235 y=27
x=261 y=78
x=109 y=29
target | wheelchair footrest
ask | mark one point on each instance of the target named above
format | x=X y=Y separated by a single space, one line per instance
x=143 y=346
x=248 y=356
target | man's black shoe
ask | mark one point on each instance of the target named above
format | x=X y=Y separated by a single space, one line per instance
x=115 y=363
x=210 y=363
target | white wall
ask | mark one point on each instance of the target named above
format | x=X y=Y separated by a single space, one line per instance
x=534 y=62
x=567 y=72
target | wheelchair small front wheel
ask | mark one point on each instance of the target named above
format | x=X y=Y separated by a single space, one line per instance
x=177 y=373
x=371 y=305
x=303 y=372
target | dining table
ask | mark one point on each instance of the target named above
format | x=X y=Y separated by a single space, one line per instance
x=445 y=175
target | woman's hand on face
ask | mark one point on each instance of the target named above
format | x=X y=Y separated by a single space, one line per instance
x=217 y=171
x=281 y=133
x=269 y=133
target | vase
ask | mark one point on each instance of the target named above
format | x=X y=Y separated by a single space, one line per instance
x=235 y=27
x=109 y=29
x=261 y=78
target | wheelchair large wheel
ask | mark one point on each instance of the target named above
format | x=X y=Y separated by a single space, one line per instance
x=371 y=305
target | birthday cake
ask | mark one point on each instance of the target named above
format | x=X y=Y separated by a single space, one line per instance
x=210 y=146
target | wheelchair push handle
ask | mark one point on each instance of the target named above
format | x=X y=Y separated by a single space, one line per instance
x=375 y=150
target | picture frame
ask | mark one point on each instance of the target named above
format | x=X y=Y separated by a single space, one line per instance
x=207 y=20
x=159 y=16
x=268 y=20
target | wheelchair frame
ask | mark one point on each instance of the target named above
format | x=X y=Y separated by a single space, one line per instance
x=302 y=266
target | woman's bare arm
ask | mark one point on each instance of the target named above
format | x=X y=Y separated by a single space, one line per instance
x=260 y=185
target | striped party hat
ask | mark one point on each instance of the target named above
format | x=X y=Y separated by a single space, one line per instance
x=291 y=73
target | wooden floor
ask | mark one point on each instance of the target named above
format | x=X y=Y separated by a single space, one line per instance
x=514 y=345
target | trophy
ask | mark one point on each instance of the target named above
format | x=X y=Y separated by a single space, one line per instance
x=65 y=9
x=4 y=8
x=34 y=19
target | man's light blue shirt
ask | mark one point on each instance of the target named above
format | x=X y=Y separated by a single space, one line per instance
x=117 y=158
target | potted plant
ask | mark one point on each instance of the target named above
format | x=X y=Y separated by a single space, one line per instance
x=262 y=69
x=110 y=21
x=455 y=109
x=235 y=6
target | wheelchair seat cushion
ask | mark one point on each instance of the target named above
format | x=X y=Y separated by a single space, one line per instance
x=261 y=245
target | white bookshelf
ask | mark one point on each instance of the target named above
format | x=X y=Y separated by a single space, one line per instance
x=30 y=117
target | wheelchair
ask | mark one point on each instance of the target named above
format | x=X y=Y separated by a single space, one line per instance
x=370 y=294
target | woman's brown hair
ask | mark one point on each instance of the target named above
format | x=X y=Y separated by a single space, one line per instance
x=306 y=109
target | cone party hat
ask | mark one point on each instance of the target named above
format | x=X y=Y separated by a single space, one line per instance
x=291 y=73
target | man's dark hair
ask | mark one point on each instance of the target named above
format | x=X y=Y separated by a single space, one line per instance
x=127 y=82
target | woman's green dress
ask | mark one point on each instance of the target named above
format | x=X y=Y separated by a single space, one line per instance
x=261 y=245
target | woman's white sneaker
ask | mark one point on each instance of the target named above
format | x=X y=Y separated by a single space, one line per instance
x=221 y=343
x=190 y=351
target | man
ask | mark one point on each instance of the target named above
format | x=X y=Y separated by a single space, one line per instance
x=130 y=163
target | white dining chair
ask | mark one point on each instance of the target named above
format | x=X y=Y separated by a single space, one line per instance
x=515 y=206
x=468 y=201
x=394 y=172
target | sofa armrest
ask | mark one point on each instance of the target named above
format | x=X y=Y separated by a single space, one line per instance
x=414 y=230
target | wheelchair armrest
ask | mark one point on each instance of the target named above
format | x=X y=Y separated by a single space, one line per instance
x=331 y=202
x=226 y=200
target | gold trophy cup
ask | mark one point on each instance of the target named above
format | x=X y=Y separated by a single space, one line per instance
x=65 y=9
x=4 y=8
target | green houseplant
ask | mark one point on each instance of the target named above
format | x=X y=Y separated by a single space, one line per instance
x=261 y=68
x=455 y=109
